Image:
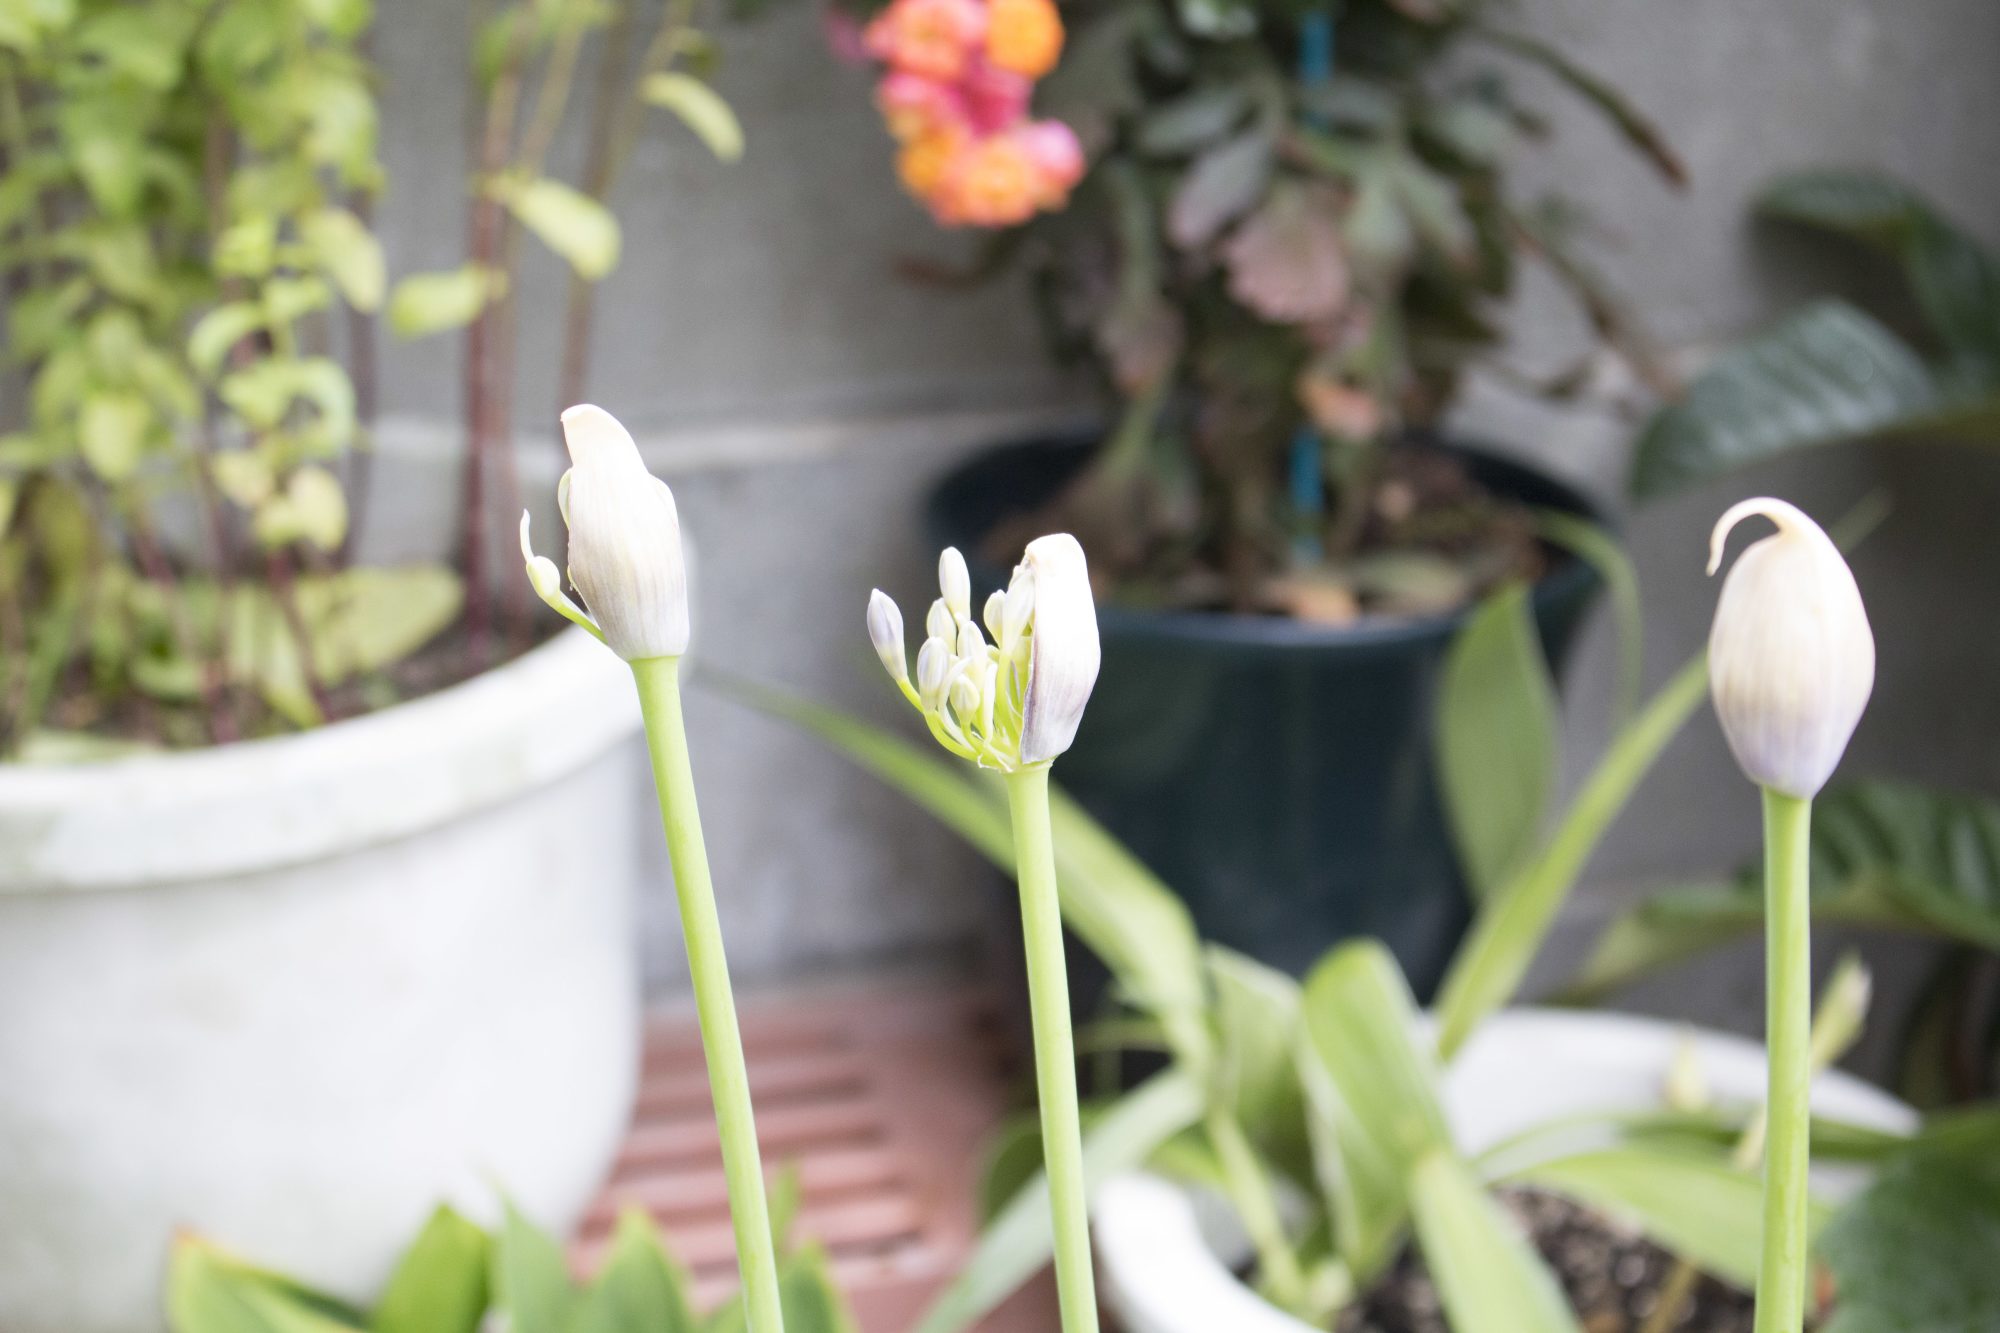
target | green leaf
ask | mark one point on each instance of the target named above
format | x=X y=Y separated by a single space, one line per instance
x=701 y=109
x=1256 y=1013
x=1371 y=1077
x=365 y=619
x=640 y=1288
x=1487 y=1274
x=440 y=1284
x=1914 y=1252
x=1828 y=373
x=427 y=303
x=312 y=508
x=530 y=1281
x=1599 y=548
x=1223 y=184
x=1696 y=1205
x=1496 y=739
x=1639 y=131
x=1019 y=1241
x=112 y=432
x=348 y=253
x=1512 y=924
x=216 y=332
x=1193 y=120
x=211 y=1292
x=1955 y=279
x=569 y=222
x=807 y=1294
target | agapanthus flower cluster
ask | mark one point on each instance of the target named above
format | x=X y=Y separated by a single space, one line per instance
x=959 y=75
x=1016 y=699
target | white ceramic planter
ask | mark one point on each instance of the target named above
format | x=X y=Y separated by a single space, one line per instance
x=1164 y=1255
x=292 y=993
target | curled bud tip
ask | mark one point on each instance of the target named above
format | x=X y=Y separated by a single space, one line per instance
x=1791 y=655
x=885 y=631
x=1063 y=646
x=955 y=582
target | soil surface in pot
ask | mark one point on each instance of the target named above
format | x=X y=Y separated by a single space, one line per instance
x=1423 y=536
x=1612 y=1274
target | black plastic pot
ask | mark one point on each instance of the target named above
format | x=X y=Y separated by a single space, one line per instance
x=1277 y=775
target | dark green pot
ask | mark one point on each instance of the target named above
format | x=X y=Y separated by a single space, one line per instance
x=1277 y=775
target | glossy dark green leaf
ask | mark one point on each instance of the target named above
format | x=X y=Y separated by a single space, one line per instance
x=1955 y=279
x=1496 y=739
x=1914 y=1253
x=1826 y=374
x=1884 y=854
x=440 y=1284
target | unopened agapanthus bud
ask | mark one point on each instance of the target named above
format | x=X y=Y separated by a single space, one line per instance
x=1791 y=659
x=1063 y=646
x=933 y=665
x=939 y=622
x=996 y=601
x=885 y=631
x=1019 y=606
x=624 y=540
x=955 y=582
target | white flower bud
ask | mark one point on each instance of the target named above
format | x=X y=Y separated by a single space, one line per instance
x=624 y=540
x=995 y=602
x=933 y=665
x=1063 y=646
x=1791 y=659
x=971 y=643
x=1018 y=609
x=955 y=582
x=939 y=622
x=885 y=631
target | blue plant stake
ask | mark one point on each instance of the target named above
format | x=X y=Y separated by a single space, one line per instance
x=1308 y=471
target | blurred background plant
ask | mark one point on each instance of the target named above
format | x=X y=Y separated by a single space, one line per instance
x=191 y=285
x=1289 y=245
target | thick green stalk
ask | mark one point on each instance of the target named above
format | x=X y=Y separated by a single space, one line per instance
x=1055 y=1051
x=1781 y=1275
x=721 y=1040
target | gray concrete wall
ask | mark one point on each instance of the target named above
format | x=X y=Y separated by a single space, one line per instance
x=802 y=396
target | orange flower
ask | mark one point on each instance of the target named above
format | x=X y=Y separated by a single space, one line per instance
x=1024 y=36
x=931 y=38
x=927 y=162
x=995 y=182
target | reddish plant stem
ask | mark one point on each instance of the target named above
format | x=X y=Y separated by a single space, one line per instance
x=284 y=591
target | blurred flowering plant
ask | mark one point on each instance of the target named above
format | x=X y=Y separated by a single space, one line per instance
x=958 y=76
x=1286 y=244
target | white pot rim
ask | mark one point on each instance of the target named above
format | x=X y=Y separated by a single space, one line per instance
x=200 y=815
x=1162 y=1261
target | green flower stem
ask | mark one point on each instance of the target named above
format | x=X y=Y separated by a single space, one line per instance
x=1781 y=1275
x=1055 y=1052
x=659 y=680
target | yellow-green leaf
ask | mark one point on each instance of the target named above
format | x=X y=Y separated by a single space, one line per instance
x=111 y=430
x=348 y=253
x=434 y=302
x=701 y=109
x=568 y=221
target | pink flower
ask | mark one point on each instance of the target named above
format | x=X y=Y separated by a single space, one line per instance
x=914 y=106
x=932 y=38
x=1058 y=159
x=995 y=99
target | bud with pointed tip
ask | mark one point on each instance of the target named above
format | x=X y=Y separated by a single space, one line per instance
x=933 y=662
x=885 y=631
x=624 y=541
x=1791 y=659
x=955 y=582
x=996 y=602
x=1063 y=649
x=938 y=622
